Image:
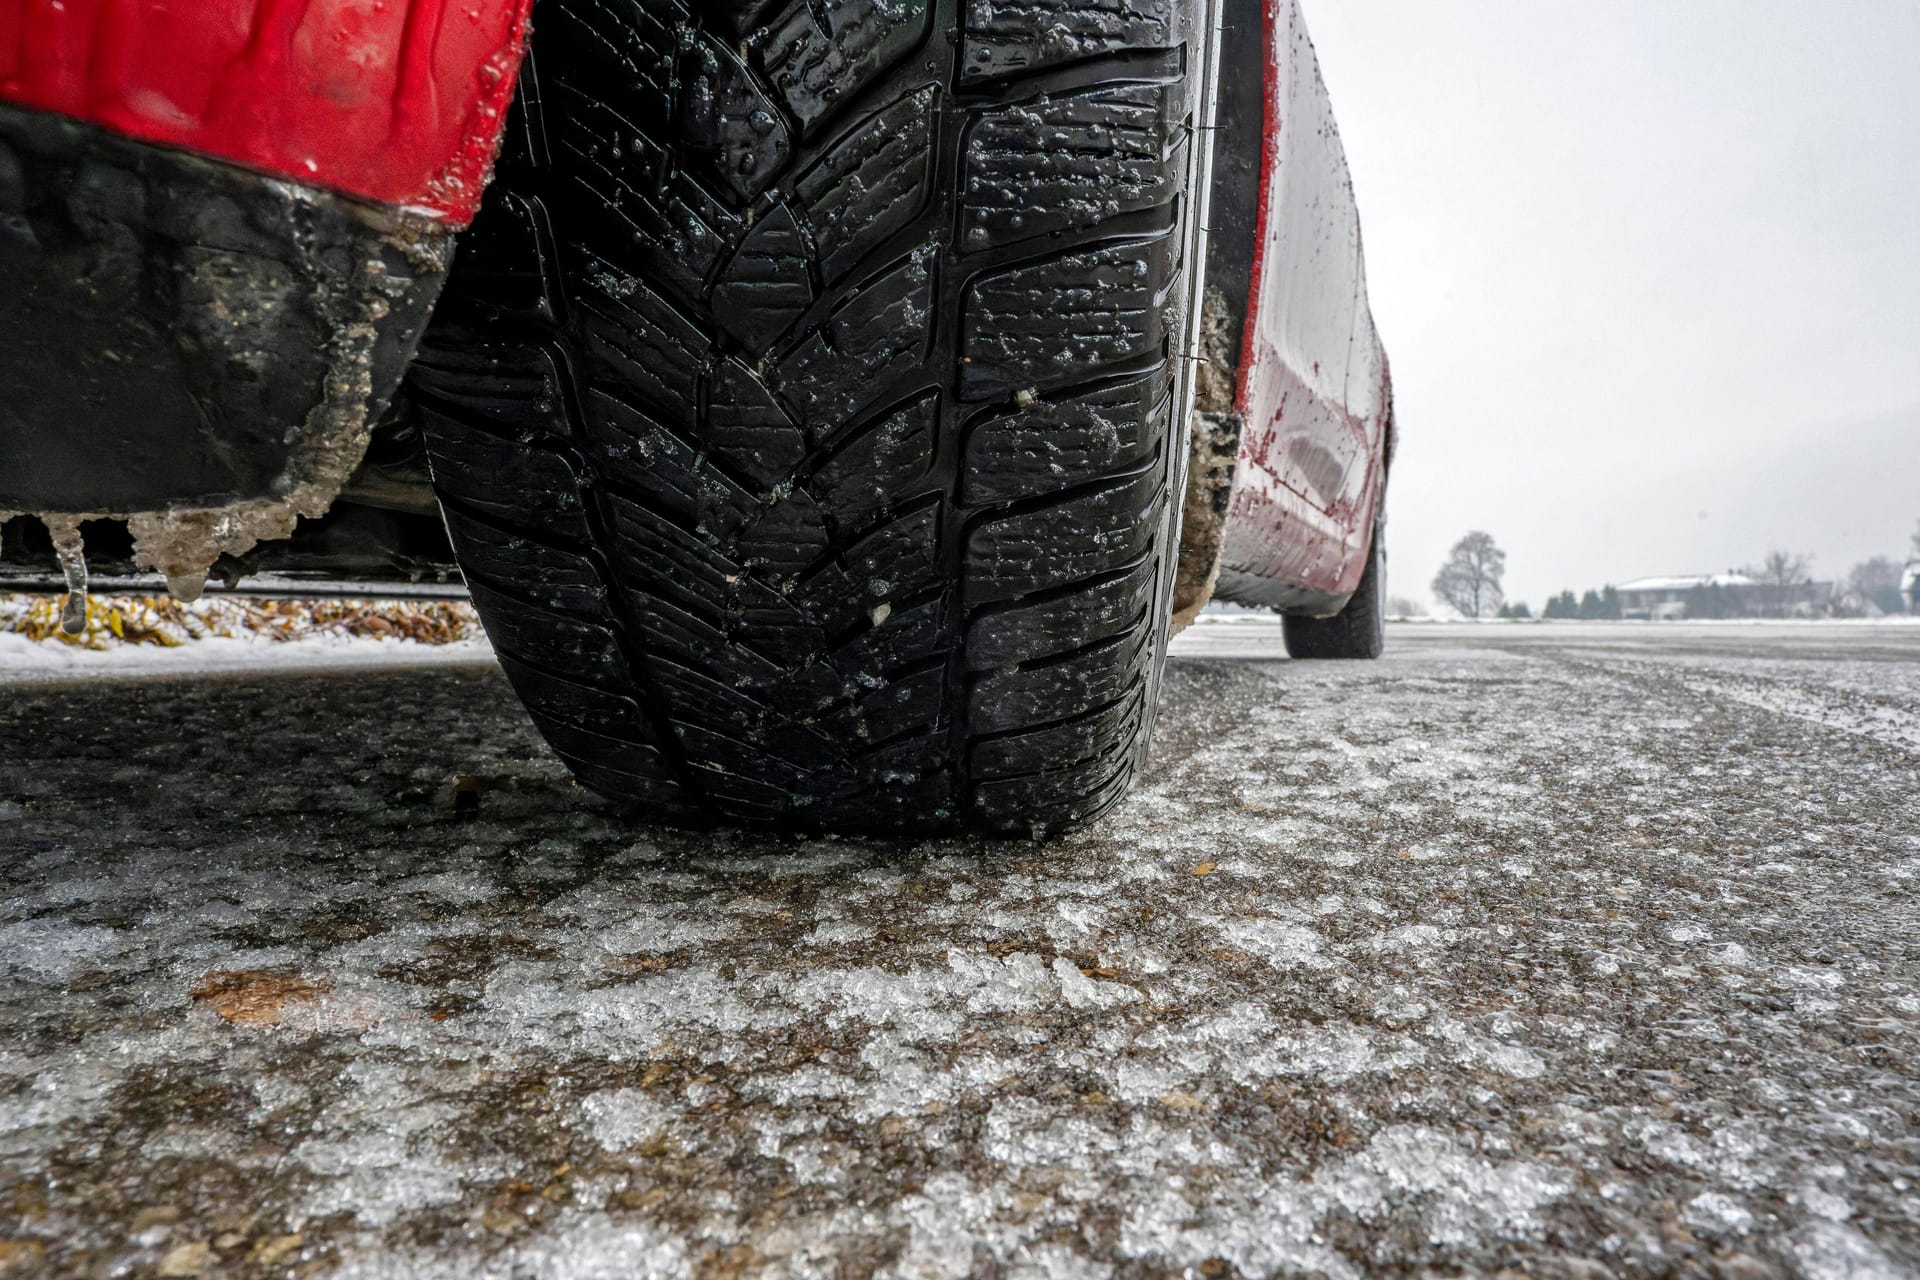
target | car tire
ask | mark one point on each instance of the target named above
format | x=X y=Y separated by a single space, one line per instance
x=807 y=404
x=1358 y=630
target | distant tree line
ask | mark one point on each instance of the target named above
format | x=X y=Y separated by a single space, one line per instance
x=1882 y=584
x=1595 y=606
x=1780 y=586
x=1876 y=582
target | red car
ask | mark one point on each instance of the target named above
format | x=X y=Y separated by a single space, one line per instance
x=831 y=406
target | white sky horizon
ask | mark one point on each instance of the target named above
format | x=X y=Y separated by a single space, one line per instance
x=1649 y=275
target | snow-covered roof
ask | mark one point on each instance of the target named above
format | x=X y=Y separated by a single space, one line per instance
x=1687 y=582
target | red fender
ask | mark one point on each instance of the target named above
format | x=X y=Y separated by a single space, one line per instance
x=396 y=101
x=1314 y=392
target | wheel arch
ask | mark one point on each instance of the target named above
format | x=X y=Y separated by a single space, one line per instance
x=1284 y=238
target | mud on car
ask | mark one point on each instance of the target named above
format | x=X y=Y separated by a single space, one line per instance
x=831 y=406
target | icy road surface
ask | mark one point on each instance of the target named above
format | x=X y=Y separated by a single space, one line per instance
x=1566 y=951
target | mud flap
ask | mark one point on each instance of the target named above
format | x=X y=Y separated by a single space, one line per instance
x=190 y=346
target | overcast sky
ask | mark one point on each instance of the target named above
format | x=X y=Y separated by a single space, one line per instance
x=1649 y=274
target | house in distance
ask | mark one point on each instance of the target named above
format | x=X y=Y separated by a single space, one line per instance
x=1718 y=595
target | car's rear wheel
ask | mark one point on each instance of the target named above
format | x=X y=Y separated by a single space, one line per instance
x=1357 y=631
x=807 y=404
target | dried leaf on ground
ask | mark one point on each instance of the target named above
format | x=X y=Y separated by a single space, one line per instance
x=114 y=621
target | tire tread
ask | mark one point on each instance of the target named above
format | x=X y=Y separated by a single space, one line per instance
x=803 y=426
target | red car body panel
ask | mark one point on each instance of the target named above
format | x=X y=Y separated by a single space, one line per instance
x=401 y=102
x=1313 y=388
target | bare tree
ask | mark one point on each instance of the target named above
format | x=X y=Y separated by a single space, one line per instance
x=1405 y=607
x=1781 y=575
x=1877 y=582
x=1470 y=579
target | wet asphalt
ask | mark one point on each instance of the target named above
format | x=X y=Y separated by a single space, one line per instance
x=1552 y=951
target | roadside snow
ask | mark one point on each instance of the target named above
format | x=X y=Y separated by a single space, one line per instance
x=25 y=661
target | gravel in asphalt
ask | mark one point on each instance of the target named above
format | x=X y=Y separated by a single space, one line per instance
x=1560 y=951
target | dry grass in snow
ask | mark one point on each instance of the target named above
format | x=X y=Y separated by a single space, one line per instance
x=117 y=621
